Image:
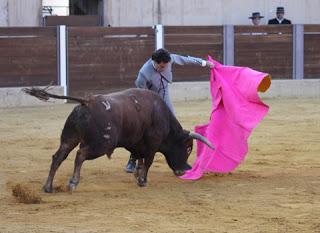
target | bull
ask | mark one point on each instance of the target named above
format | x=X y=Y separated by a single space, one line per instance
x=135 y=119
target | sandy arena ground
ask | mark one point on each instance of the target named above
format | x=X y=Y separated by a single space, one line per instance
x=276 y=189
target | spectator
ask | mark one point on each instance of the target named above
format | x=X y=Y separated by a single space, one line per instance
x=256 y=18
x=280 y=17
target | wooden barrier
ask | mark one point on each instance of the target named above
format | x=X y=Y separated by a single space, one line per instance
x=73 y=20
x=197 y=41
x=265 y=48
x=28 y=56
x=311 y=51
x=103 y=60
x=106 y=59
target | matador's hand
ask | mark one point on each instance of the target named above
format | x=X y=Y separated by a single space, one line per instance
x=210 y=64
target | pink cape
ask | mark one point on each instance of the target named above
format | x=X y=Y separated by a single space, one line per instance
x=236 y=111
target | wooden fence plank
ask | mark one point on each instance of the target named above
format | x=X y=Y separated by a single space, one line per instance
x=193 y=30
x=312 y=28
x=194 y=41
x=269 y=29
x=311 y=51
x=73 y=20
x=28 y=56
x=265 y=48
x=104 y=59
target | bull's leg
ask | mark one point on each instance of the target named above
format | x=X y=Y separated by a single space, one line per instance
x=142 y=178
x=139 y=169
x=57 y=159
x=82 y=154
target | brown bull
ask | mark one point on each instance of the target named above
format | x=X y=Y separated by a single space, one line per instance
x=136 y=119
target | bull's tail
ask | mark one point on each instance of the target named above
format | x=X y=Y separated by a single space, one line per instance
x=42 y=94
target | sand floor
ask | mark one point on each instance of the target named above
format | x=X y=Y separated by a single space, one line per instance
x=276 y=188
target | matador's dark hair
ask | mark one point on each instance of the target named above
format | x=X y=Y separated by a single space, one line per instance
x=161 y=55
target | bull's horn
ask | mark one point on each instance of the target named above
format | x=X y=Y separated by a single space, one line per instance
x=201 y=138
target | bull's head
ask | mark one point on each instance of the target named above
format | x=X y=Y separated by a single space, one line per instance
x=178 y=151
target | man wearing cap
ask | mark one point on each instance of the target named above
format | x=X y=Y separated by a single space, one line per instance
x=280 y=17
x=256 y=17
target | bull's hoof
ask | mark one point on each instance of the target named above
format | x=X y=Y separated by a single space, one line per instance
x=138 y=173
x=141 y=183
x=47 y=189
x=72 y=187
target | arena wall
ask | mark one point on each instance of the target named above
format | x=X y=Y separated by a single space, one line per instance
x=179 y=91
x=189 y=91
x=14 y=97
x=205 y=12
x=173 y=12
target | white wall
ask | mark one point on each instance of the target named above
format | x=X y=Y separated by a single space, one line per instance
x=205 y=12
x=59 y=7
x=130 y=13
x=24 y=12
x=20 y=13
x=3 y=13
x=172 y=12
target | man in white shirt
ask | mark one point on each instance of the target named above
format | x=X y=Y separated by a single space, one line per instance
x=280 y=17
